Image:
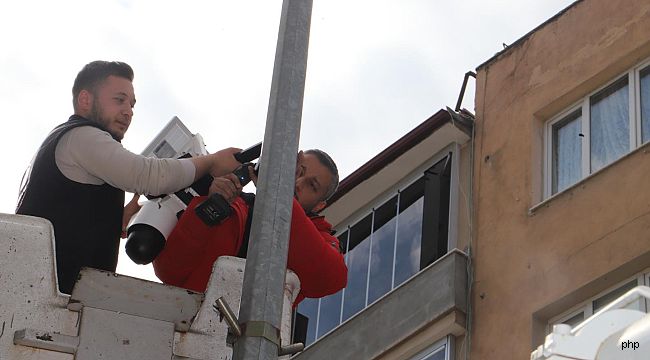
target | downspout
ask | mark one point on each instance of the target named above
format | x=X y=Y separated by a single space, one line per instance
x=467 y=124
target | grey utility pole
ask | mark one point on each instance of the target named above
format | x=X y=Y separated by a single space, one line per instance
x=260 y=313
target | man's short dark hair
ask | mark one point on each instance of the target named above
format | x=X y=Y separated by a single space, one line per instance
x=327 y=161
x=97 y=71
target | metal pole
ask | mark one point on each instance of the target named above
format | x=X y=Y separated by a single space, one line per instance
x=260 y=313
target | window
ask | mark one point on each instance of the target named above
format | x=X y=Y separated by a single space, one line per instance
x=644 y=103
x=598 y=130
x=609 y=124
x=567 y=152
x=586 y=309
x=442 y=350
x=394 y=241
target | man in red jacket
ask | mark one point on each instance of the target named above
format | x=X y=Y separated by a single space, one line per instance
x=314 y=254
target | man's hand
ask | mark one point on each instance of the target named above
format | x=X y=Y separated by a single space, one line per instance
x=252 y=175
x=218 y=164
x=227 y=186
x=129 y=210
x=223 y=162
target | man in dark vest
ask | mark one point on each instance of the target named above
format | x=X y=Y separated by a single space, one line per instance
x=79 y=175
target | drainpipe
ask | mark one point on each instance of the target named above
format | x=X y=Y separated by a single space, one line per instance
x=462 y=89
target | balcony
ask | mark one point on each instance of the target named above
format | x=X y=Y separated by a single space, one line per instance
x=435 y=299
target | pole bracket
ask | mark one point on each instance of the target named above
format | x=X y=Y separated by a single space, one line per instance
x=252 y=329
x=261 y=329
x=224 y=311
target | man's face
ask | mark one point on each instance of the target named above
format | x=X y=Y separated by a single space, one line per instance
x=312 y=181
x=112 y=105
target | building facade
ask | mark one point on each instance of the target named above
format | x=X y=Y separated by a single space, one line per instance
x=561 y=170
x=541 y=219
x=403 y=223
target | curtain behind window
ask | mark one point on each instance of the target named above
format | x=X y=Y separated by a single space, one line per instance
x=567 y=152
x=610 y=131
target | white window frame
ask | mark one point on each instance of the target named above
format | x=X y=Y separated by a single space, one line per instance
x=548 y=190
x=635 y=133
x=447 y=343
x=587 y=306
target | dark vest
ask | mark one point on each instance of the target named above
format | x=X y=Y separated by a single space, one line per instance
x=87 y=218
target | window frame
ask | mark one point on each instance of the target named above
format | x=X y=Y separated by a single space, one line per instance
x=448 y=342
x=453 y=150
x=637 y=108
x=410 y=179
x=563 y=117
x=584 y=105
x=587 y=306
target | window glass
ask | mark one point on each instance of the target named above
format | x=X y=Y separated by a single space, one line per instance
x=330 y=313
x=567 y=152
x=438 y=355
x=382 y=250
x=574 y=320
x=357 y=258
x=645 y=104
x=308 y=311
x=610 y=124
x=615 y=294
x=437 y=352
x=409 y=232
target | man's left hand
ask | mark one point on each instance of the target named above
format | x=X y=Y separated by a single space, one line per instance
x=252 y=175
x=129 y=210
x=227 y=186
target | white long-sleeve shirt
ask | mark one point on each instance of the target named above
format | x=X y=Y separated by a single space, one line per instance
x=89 y=155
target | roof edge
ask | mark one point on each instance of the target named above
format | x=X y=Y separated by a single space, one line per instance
x=526 y=36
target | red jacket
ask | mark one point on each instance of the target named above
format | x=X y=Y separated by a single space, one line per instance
x=193 y=247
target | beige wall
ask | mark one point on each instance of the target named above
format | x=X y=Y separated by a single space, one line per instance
x=535 y=263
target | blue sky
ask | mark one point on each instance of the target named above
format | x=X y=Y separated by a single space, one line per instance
x=376 y=69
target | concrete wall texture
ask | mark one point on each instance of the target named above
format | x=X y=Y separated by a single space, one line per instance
x=533 y=264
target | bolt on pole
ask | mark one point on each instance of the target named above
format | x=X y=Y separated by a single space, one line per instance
x=260 y=312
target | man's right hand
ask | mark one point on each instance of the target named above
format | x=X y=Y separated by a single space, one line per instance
x=227 y=186
x=223 y=162
x=218 y=164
